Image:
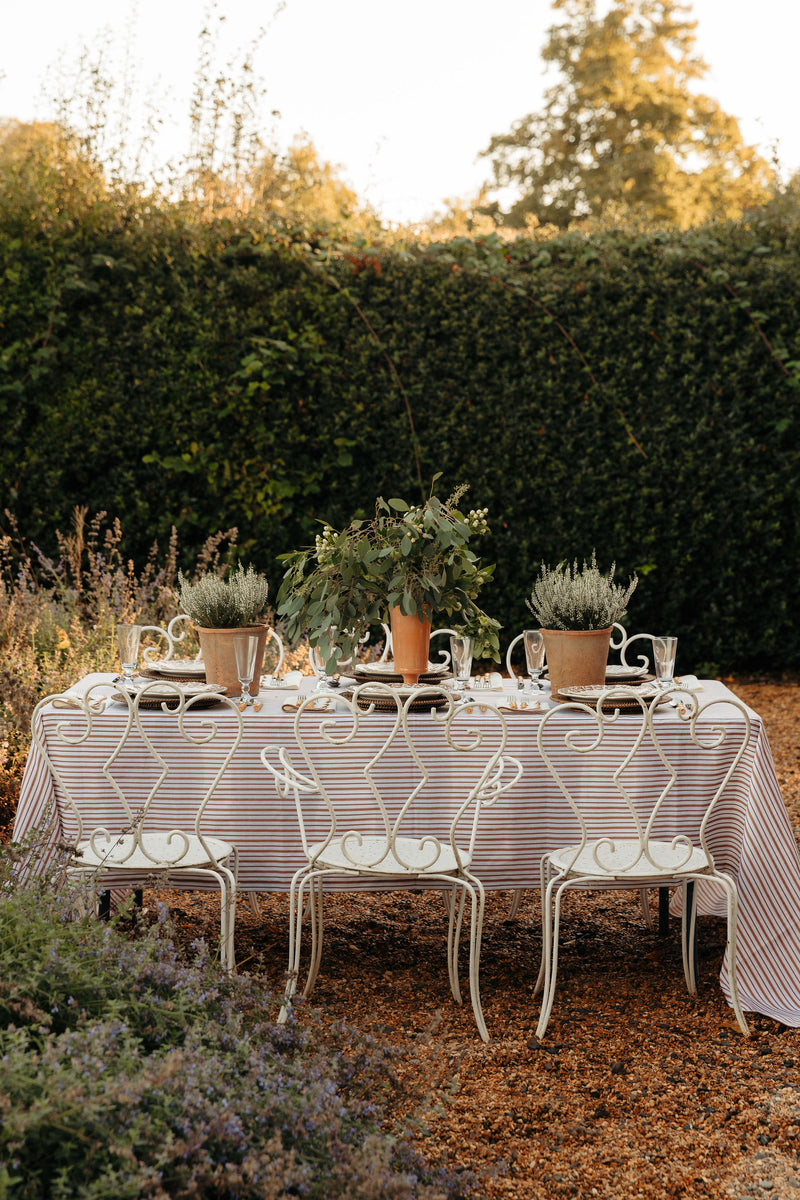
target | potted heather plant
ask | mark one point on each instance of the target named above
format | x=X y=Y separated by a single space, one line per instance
x=220 y=608
x=408 y=563
x=576 y=609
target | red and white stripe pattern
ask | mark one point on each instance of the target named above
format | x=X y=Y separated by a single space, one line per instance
x=749 y=834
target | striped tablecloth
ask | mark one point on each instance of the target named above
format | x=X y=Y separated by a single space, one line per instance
x=750 y=833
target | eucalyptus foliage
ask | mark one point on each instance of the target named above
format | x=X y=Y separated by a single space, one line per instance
x=415 y=557
x=566 y=597
x=216 y=603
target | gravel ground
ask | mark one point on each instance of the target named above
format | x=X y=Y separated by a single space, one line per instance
x=637 y=1091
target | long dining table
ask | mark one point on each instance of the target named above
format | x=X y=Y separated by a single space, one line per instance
x=749 y=832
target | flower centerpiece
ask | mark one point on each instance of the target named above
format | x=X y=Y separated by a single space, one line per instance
x=220 y=609
x=407 y=563
x=576 y=609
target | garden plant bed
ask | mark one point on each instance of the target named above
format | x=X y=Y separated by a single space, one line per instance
x=638 y=1090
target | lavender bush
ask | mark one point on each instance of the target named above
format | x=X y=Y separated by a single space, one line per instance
x=126 y=1072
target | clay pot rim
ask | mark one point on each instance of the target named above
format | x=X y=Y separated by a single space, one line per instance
x=231 y=628
x=579 y=632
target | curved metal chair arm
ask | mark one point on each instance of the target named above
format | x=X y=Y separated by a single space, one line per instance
x=621 y=640
x=172 y=638
x=272 y=636
x=511 y=672
x=444 y=655
x=644 y=661
x=154 y=653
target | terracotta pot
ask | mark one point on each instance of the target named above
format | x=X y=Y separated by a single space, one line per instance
x=410 y=645
x=576 y=656
x=216 y=647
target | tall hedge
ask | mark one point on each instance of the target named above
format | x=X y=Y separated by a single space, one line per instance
x=633 y=394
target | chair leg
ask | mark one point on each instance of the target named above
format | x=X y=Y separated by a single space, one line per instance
x=733 y=911
x=454 y=938
x=478 y=899
x=104 y=906
x=544 y=877
x=663 y=912
x=224 y=924
x=551 y=956
x=315 y=910
x=295 y=928
x=254 y=906
x=689 y=937
x=692 y=900
x=516 y=898
x=644 y=901
x=231 y=928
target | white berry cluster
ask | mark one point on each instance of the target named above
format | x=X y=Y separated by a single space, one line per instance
x=476 y=519
x=322 y=543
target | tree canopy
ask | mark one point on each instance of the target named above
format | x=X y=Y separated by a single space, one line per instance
x=623 y=129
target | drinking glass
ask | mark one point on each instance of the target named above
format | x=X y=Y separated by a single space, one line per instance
x=245 y=647
x=534 y=656
x=664 y=649
x=461 y=652
x=320 y=658
x=128 y=638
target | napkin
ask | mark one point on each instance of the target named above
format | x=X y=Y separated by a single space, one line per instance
x=690 y=682
x=289 y=683
x=89 y=681
x=73 y=696
x=495 y=683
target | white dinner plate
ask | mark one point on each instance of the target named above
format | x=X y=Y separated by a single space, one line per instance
x=592 y=692
x=156 y=693
x=179 y=666
x=618 y=672
x=388 y=668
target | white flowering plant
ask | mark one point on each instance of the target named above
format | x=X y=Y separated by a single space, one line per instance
x=233 y=603
x=566 y=597
x=417 y=557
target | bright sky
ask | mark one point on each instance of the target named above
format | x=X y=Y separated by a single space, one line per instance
x=402 y=96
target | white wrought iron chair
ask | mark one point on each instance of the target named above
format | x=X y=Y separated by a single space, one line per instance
x=618 y=643
x=625 y=847
x=357 y=821
x=123 y=765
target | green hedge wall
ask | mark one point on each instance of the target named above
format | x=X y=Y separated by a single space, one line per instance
x=636 y=394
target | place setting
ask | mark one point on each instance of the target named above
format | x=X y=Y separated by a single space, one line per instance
x=161 y=682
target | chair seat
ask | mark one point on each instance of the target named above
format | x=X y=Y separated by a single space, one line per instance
x=373 y=857
x=161 y=854
x=619 y=863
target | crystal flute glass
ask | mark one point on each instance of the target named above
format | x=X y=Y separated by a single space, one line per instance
x=128 y=639
x=664 y=651
x=461 y=649
x=245 y=647
x=534 y=657
x=323 y=678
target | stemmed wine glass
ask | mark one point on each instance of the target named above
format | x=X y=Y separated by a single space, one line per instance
x=664 y=650
x=128 y=638
x=534 y=657
x=245 y=647
x=461 y=652
x=320 y=658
